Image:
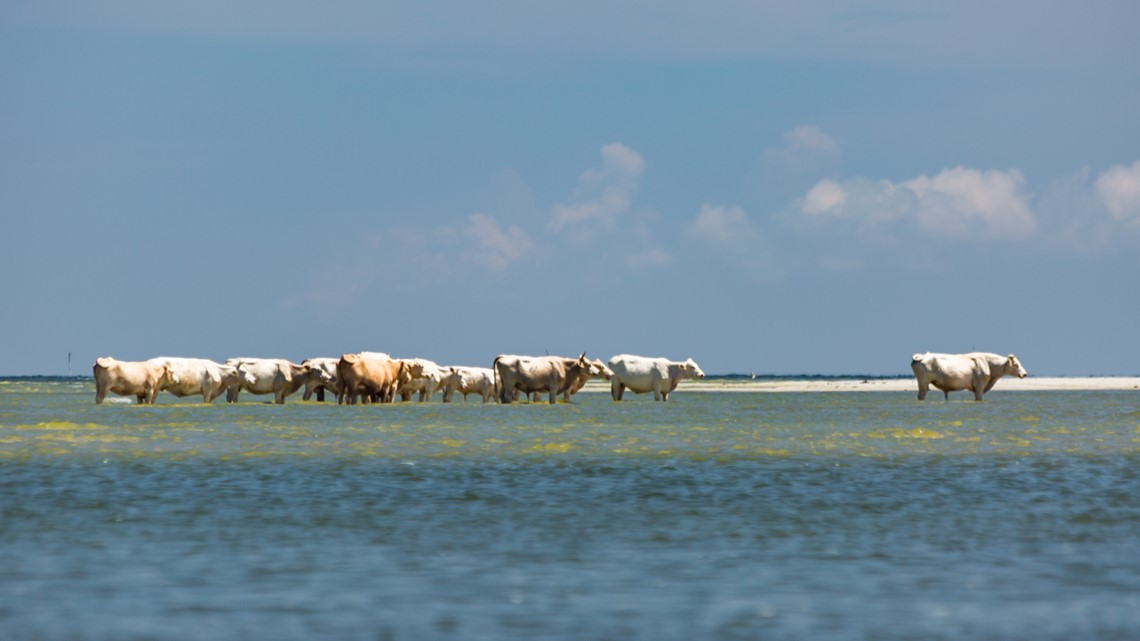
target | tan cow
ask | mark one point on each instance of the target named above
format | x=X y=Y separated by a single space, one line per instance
x=371 y=379
x=975 y=371
x=129 y=378
x=598 y=369
x=527 y=374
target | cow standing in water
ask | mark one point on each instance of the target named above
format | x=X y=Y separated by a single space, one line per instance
x=275 y=376
x=527 y=374
x=976 y=371
x=128 y=378
x=198 y=376
x=641 y=374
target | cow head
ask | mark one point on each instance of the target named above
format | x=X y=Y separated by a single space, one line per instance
x=414 y=368
x=238 y=375
x=404 y=372
x=690 y=367
x=1014 y=365
x=598 y=369
x=168 y=377
x=450 y=376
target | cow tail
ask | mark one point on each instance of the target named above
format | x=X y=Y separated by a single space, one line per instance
x=495 y=378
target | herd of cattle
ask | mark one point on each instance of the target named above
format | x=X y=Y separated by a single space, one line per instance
x=375 y=377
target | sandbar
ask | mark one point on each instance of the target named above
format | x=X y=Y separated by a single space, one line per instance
x=1030 y=383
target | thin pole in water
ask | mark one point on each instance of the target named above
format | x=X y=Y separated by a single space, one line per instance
x=69 y=364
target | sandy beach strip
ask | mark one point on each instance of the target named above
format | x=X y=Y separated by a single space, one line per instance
x=1030 y=383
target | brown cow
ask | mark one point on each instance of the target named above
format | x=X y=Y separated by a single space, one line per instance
x=126 y=378
x=372 y=379
x=527 y=374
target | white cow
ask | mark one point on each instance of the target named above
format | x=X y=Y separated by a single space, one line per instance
x=427 y=379
x=327 y=381
x=197 y=376
x=469 y=380
x=642 y=374
x=275 y=376
x=976 y=371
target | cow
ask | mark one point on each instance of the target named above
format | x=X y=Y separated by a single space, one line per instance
x=129 y=378
x=598 y=369
x=641 y=374
x=327 y=381
x=975 y=371
x=275 y=376
x=198 y=376
x=529 y=374
x=426 y=379
x=372 y=379
x=469 y=380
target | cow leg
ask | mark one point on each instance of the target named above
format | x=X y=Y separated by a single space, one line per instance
x=100 y=395
x=320 y=395
x=553 y=395
x=923 y=388
x=664 y=396
x=232 y=394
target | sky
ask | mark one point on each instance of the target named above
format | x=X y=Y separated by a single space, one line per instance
x=769 y=187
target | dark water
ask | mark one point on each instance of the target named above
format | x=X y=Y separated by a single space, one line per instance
x=861 y=515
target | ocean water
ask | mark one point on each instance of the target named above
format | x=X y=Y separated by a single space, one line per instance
x=862 y=515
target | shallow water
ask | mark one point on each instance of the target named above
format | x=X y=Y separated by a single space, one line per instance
x=863 y=515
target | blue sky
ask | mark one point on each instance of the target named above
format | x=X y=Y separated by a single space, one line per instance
x=760 y=186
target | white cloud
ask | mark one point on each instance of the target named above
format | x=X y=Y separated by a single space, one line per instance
x=811 y=139
x=958 y=202
x=604 y=193
x=496 y=248
x=650 y=258
x=723 y=225
x=827 y=197
x=804 y=147
x=1119 y=189
x=735 y=239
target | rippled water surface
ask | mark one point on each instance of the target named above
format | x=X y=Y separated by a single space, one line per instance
x=862 y=515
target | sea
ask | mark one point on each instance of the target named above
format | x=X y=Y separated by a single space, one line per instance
x=716 y=515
